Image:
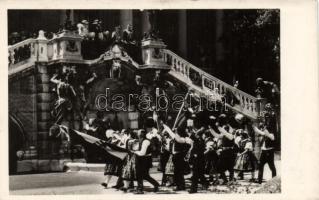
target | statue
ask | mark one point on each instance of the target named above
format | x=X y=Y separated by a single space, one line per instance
x=115 y=69
x=116 y=34
x=68 y=23
x=153 y=20
x=65 y=93
x=83 y=28
x=128 y=35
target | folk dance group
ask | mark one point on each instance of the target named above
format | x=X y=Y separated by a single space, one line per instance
x=207 y=152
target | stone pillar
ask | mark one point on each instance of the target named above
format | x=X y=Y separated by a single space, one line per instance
x=145 y=22
x=182 y=33
x=126 y=17
x=63 y=16
x=218 y=33
x=42 y=47
x=44 y=98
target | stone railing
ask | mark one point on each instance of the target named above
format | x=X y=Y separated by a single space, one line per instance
x=21 y=51
x=207 y=84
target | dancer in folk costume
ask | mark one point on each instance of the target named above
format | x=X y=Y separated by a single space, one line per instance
x=197 y=160
x=225 y=151
x=246 y=160
x=144 y=163
x=267 y=151
x=166 y=158
x=113 y=165
x=181 y=144
x=129 y=165
x=211 y=156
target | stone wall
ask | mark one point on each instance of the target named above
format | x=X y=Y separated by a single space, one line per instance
x=23 y=104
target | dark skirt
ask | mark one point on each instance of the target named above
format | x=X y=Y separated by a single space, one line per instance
x=246 y=162
x=113 y=166
x=129 y=167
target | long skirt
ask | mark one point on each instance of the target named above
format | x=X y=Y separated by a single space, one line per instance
x=113 y=166
x=246 y=162
x=129 y=167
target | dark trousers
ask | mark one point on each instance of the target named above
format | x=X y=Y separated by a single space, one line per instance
x=226 y=162
x=179 y=167
x=198 y=173
x=267 y=156
x=143 y=165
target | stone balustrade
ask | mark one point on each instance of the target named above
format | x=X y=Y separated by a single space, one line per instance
x=209 y=84
x=21 y=51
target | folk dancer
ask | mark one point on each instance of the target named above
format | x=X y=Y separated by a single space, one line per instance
x=197 y=160
x=246 y=160
x=113 y=165
x=267 y=151
x=144 y=163
x=181 y=144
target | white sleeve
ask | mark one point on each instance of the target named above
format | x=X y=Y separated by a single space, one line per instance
x=145 y=144
x=249 y=146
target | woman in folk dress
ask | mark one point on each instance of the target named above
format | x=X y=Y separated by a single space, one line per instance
x=129 y=165
x=113 y=165
x=246 y=160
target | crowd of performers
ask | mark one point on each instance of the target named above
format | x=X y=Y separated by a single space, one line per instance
x=207 y=148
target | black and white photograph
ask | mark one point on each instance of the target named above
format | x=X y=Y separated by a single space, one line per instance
x=155 y=101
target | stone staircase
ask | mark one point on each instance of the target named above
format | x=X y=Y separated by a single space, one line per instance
x=206 y=85
x=34 y=57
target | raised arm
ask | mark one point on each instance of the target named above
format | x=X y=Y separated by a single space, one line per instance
x=225 y=133
x=91 y=79
x=175 y=136
x=216 y=135
x=264 y=133
x=54 y=79
x=169 y=131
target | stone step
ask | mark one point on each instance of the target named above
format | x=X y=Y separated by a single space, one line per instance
x=73 y=167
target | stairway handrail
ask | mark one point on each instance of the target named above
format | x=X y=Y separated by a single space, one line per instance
x=22 y=43
x=202 y=72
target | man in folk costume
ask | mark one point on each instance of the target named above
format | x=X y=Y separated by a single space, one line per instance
x=267 y=151
x=180 y=147
x=144 y=163
x=197 y=160
x=225 y=151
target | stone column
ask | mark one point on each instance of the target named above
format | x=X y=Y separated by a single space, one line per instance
x=44 y=98
x=218 y=33
x=182 y=33
x=63 y=16
x=145 y=22
x=126 y=17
